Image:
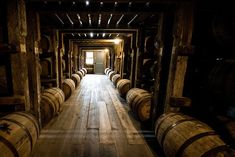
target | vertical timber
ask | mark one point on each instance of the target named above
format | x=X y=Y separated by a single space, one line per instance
x=17 y=32
x=33 y=40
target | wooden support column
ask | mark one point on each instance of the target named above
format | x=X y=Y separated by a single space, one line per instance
x=56 y=54
x=155 y=108
x=137 y=43
x=70 y=54
x=17 y=32
x=60 y=54
x=133 y=60
x=136 y=67
x=80 y=58
x=75 y=57
x=181 y=49
x=164 y=54
x=33 y=39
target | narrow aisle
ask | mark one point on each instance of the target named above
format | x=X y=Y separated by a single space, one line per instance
x=93 y=122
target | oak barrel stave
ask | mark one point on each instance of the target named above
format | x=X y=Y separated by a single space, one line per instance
x=76 y=79
x=80 y=74
x=183 y=136
x=68 y=87
x=51 y=104
x=48 y=110
x=108 y=71
x=116 y=78
x=139 y=101
x=85 y=70
x=58 y=95
x=111 y=74
x=105 y=70
x=18 y=134
x=123 y=86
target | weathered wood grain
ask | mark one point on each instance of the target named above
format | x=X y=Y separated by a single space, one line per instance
x=94 y=123
x=131 y=132
x=105 y=130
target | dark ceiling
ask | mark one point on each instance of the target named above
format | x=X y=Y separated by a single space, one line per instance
x=98 y=15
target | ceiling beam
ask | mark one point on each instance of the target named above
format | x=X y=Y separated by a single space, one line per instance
x=134 y=6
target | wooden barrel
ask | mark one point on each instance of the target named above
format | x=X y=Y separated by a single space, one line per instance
x=149 y=44
x=76 y=79
x=139 y=101
x=123 y=86
x=18 y=134
x=108 y=71
x=51 y=104
x=68 y=88
x=183 y=136
x=111 y=75
x=80 y=74
x=146 y=68
x=57 y=93
x=46 y=43
x=48 y=109
x=84 y=69
x=116 y=78
x=105 y=70
x=46 y=67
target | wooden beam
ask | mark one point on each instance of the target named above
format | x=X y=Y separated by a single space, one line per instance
x=14 y=100
x=180 y=101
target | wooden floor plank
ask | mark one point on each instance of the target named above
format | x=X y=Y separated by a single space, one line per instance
x=108 y=150
x=91 y=145
x=111 y=110
x=94 y=122
x=105 y=130
x=132 y=134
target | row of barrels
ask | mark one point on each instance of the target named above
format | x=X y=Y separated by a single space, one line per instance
x=139 y=100
x=53 y=98
x=179 y=135
x=19 y=131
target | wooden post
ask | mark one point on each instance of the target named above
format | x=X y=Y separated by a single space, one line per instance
x=134 y=56
x=75 y=56
x=164 y=54
x=156 y=106
x=56 y=54
x=60 y=54
x=70 y=58
x=33 y=39
x=17 y=32
x=181 y=49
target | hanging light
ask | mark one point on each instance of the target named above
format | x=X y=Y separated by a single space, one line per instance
x=87 y=3
x=91 y=35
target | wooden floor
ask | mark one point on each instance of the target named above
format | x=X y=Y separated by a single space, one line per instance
x=94 y=122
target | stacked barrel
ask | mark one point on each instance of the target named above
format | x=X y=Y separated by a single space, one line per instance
x=139 y=101
x=115 y=79
x=183 y=136
x=52 y=99
x=123 y=86
x=68 y=87
x=19 y=132
x=51 y=103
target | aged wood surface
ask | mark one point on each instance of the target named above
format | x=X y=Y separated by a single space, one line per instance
x=94 y=122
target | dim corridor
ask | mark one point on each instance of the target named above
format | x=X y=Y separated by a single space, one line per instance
x=94 y=122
